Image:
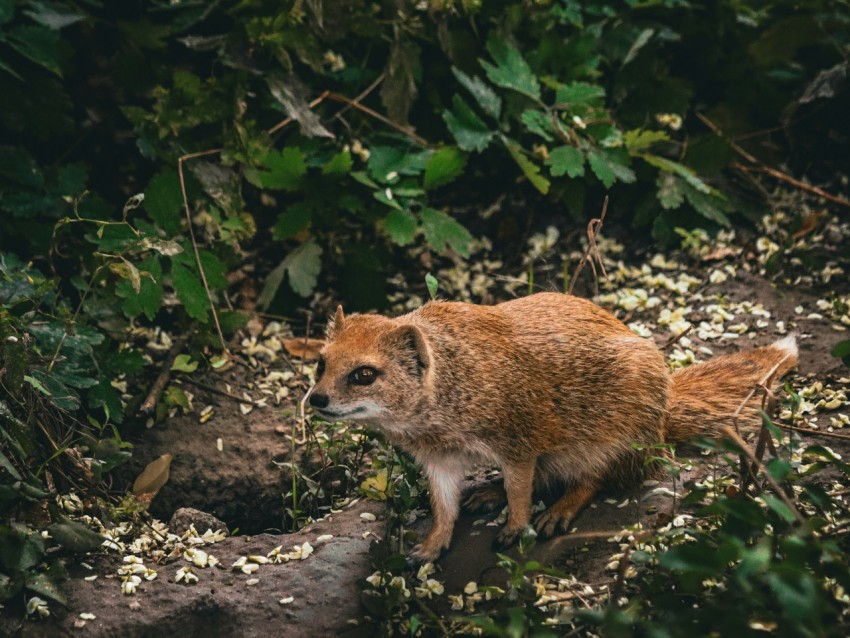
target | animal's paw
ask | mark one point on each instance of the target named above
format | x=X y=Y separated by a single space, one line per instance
x=552 y=521
x=422 y=553
x=507 y=538
x=487 y=498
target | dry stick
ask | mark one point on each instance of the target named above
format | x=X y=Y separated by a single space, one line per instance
x=195 y=243
x=224 y=393
x=794 y=182
x=736 y=438
x=675 y=339
x=164 y=374
x=834 y=435
x=761 y=168
x=591 y=253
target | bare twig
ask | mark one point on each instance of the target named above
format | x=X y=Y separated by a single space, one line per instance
x=834 y=435
x=164 y=375
x=224 y=393
x=675 y=339
x=591 y=253
x=195 y=243
x=759 y=167
x=745 y=449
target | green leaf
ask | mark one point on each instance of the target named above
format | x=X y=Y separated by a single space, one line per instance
x=432 y=285
x=286 y=169
x=184 y=363
x=608 y=169
x=445 y=166
x=712 y=205
x=669 y=192
x=511 y=71
x=302 y=265
x=400 y=225
x=164 y=200
x=674 y=167
x=638 y=140
x=529 y=168
x=174 y=396
x=486 y=97
x=44 y=585
x=566 y=160
x=469 y=130
x=190 y=291
x=442 y=232
x=38 y=385
x=53 y=16
x=149 y=298
x=779 y=507
x=7 y=10
x=580 y=94
x=386 y=163
x=293 y=221
x=39 y=44
x=339 y=164
x=74 y=536
x=842 y=351
x=538 y=122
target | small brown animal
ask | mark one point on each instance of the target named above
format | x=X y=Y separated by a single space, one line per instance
x=550 y=387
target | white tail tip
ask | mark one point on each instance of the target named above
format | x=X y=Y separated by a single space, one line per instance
x=788 y=345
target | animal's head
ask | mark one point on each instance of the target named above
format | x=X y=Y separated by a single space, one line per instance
x=372 y=369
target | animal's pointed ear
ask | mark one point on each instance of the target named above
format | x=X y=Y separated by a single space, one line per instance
x=412 y=347
x=335 y=325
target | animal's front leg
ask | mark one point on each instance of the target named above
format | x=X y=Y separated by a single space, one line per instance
x=519 y=484
x=444 y=476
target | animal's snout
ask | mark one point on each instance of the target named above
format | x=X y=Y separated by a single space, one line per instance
x=318 y=400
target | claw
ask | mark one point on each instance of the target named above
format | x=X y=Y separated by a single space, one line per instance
x=507 y=538
x=487 y=498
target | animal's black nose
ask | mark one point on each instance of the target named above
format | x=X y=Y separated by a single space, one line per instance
x=319 y=400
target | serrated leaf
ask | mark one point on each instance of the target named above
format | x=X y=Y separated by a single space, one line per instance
x=293 y=221
x=339 y=164
x=710 y=205
x=442 y=232
x=469 y=130
x=580 y=94
x=529 y=169
x=302 y=265
x=679 y=169
x=486 y=97
x=285 y=169
x=149 y=298
x=566 y=160
x=538 y=122
x=164 y=200
x=400 y=225
x=669 y=192
x=184 y=363
x=609 y=170
x=445 y=166
x=510 y=70
x=190 y=291
x=638 y=140
x=74 y=536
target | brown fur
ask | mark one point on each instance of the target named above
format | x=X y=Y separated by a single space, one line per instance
x=551 y=387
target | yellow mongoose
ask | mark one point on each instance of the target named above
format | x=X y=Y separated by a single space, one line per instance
x=550 y=387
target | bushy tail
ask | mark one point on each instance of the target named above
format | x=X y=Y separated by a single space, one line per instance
x=705 y=396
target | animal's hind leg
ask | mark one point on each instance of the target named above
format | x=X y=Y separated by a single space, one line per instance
x=486 y=498
x=560 y=514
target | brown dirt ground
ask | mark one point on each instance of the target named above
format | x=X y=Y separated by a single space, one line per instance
x=242 y=486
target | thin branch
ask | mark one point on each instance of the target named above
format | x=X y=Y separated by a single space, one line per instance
x=675 y=339
x=224 y=393
x=591 y=253
x=834 y=435
x=759 y=167
x=164 y=374
x=745 y=449
x=195 y=243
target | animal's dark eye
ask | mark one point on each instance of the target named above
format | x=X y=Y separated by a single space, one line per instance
x=320 y=368
x=363 y=376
